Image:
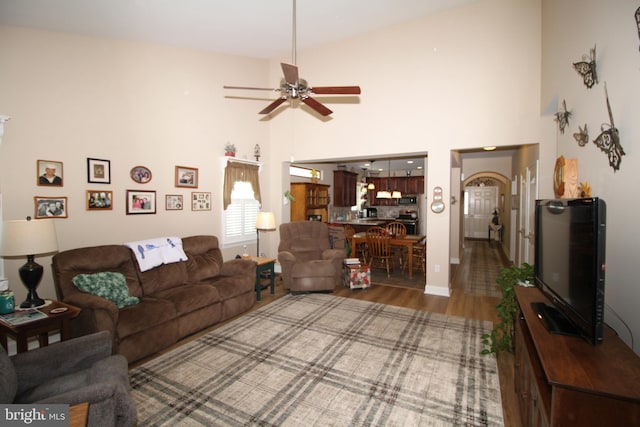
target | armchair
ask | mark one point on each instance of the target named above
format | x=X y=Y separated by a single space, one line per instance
x=307 y=260
x=72 y=372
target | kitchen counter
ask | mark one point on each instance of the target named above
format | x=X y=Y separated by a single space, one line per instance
x=365 y=221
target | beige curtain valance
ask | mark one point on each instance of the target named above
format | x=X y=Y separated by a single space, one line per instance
x=237 y=171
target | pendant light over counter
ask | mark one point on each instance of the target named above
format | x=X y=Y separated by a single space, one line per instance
x=388 y=193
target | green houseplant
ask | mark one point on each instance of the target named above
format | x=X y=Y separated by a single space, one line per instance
x=501 y=337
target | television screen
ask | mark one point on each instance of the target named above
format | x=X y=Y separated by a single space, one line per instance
x=569 y=265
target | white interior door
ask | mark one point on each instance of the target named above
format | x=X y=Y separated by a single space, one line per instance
x=479 y=203
x=528 y=196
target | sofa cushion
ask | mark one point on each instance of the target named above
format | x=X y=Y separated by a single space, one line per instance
x=8 y=379
x=68 y=264
x=149 y=313
x=109 y=285
x=204 y=257
x=163 y=277
x=190 y=297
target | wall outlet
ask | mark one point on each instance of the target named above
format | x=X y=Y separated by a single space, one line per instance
x=437 y=268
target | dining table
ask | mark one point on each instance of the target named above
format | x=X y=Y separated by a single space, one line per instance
x=407 y=241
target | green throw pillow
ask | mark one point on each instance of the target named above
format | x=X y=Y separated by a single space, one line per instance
x=112 y=286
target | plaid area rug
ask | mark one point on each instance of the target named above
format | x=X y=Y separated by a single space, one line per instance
x=485 y=266
x=322 y=360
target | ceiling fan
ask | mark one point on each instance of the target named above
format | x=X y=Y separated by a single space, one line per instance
x=293 y=87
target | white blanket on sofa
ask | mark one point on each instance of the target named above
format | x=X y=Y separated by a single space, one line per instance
x=154 y=252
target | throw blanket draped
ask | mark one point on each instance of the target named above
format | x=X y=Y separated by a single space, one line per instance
x=154 y=252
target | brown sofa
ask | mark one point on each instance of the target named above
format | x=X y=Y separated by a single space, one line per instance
x=176 y=299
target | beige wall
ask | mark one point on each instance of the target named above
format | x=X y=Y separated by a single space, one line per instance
x=570 y=29
x=465 y=78
x=72 y=97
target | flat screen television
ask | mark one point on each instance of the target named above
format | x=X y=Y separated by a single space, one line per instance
x=570 y=265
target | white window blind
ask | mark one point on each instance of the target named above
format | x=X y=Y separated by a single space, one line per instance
x=240 y=216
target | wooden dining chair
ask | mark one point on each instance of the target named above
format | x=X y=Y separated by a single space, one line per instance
x=378 y=243
x=360 y=250
x=419 y=254
x=399 y=253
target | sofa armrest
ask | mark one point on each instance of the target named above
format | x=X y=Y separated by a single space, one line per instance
x=41 y=364
x=333 y=254
x=238 y=267
x=87 y=301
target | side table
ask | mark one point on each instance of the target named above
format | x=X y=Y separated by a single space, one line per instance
x=56 y=320
x=264 y=265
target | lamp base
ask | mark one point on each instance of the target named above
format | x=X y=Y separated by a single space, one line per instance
x=30 y=274
x=32 y=301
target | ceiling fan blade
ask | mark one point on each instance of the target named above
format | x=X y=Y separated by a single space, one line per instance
x=336 y=90
x=290 y=73
x=316 y=106
x=273 y=105
x=252 y=88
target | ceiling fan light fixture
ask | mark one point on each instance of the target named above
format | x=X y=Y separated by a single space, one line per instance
x=293 y=87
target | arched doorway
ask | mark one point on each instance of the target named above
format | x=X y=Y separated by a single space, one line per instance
x=485 y=194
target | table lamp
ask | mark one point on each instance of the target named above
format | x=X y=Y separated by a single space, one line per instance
x=265 y=221
x=29 y=238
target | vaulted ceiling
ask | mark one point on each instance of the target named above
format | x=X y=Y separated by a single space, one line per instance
x=254 y=28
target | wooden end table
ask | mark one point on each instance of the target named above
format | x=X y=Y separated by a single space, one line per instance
x=56 y=320
x=263 y=265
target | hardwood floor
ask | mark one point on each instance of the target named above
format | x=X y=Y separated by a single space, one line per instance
x=458 y=304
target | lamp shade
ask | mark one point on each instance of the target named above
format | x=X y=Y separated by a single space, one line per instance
x=28 y=237
x=265 y=221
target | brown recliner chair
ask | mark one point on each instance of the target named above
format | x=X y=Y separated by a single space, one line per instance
x=307 y=260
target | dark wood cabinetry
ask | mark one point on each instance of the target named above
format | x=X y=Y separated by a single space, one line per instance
x=565 y=381
x=405 y=184
x=310 y=199
x=344 y=188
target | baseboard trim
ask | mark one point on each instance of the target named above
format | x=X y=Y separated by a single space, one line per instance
x=437 y=290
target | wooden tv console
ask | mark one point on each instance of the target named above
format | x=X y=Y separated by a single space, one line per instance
x=566 y=381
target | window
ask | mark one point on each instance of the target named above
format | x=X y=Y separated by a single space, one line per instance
x=302 y=172
x=240 y=216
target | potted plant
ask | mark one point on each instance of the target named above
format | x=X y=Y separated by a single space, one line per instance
x=315 y=174
x=229 y=150
x=501 y=337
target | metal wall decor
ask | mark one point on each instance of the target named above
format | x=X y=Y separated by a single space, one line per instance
x=562 y=117
x=609 y=139
x=582 y=136
x=587 y=68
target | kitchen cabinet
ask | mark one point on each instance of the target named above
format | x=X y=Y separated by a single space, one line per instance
x=406 y=184
x=310 y=199
x=415 y=185
x=344 y=188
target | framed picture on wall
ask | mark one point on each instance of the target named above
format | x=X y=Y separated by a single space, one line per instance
x=186 y=177
x=99 y=171
x=200 y=201
x=50 y=207
x=141 y=202
x=173 y=202
x=99 y=200
x=49 y=173
x=140 y=174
